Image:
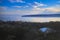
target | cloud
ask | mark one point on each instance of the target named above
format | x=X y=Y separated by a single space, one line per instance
x=18 y=1
x=17 y=6
x=48 y=10
x=51 y=9
x=54 y=10
x=3 y=8
x=22 y=12
x=37 y=10
x=20 y=6
x=39 y=4
x=26 y=6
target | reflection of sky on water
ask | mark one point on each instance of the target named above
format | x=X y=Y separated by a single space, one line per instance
x=43 y=29
x=47 y=30
x=40 y=19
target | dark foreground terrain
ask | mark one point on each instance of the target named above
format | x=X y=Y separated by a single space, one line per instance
x=28 y=31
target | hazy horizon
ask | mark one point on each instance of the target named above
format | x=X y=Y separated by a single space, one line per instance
x=13 y=10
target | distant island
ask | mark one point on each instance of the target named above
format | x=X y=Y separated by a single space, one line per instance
x=42 y=15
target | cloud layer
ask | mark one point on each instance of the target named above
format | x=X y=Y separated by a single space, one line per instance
x=17 y=1
x=34 y=10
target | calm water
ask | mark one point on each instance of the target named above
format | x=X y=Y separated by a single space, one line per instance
x=28 y=19
x=40 y=19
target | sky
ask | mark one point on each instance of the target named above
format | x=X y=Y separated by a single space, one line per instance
x=14 y=9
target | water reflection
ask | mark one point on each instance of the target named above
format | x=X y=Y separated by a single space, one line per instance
x=43 y=29
x=40 y=19
x=47 y=30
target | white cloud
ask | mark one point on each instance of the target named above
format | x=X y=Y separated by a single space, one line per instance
x=20 y=6
x=54 y=10
x=23 y=12
x=20 y=1
x=36 y=10
x=17 y=6
x=39 y=4
x=25 y=6
x=12 y=1
x=48 y=10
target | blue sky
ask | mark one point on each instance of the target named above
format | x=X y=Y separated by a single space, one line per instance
x=30 y=4
x=17 y=8
x=21 y=3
